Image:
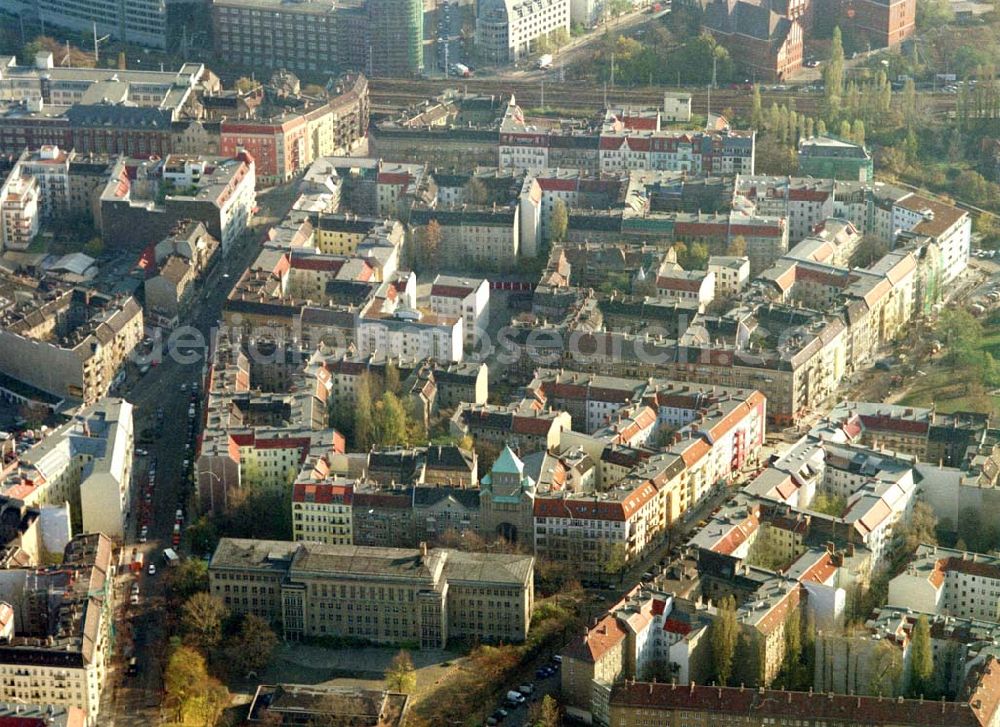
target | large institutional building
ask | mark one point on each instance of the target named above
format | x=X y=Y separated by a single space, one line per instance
x=384 y=595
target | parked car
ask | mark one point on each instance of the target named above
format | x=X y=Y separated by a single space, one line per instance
x=152 y=569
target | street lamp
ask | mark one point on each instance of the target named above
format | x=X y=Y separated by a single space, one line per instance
x=218 y=480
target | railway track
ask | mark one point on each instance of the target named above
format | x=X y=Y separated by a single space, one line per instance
x=577 y=96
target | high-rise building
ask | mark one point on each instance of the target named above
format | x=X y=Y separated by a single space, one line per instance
x=296 y=36
x=142 y=22
x=397 y=35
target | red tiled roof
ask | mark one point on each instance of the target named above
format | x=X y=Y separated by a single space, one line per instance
x=834 y=709
x=885 y=422
x=672 y=283
x=394 y=178
x=550 y=184
x=323 y=493
x=326 y=264
x=451 y=291
x=531 y=425
x=821 y=571
x=599 y=641
x=641 y=123
x=675 y=626
x=738 y=535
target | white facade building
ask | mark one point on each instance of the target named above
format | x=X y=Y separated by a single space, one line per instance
x=949 y=582
x=466 y=298
x=950 y=227
x=508 y=30
x=88 y=463
x=20 y=213
x=731 y=274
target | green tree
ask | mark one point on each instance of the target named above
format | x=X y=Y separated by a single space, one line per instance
x=551 y=715
x=201 y=620
x=202 y=536
x=833 y=72
x=94 y=246
x=122 y=63
x=616 y=560
x=253 y=646
x=723 y=635
x=244 y=84
x=389 y=421
x=845 y=130
x=921 y=659
x=737 y=246
x=909 y=102
x=476 y=192
x=401 y=676
x=559 y=224
x=187 y=578
x=192 y=696
x=828 y=504
x=392 y=377
x=869 y=250
x=756 y=113
x=795 y=676
x=427 y=244
x=820 y=127
x=696 y=257
x=858 y=131
x=364 y=425
x=886 y=669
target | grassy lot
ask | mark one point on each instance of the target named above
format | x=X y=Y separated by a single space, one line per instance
x=954 y=387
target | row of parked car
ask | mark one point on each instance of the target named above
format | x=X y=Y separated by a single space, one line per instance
x=516 y=698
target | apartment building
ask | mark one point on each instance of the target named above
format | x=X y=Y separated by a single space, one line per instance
x=641 y=704
x=487 y=237
x=804 y=201
x=647 y=627
x=950 y=582
x=385 y=595
x=521 y=426
x=321 y=512
x=763 y=43
x=468 y=298
x=273 y=35
x=949 y=227
x=285 y=139
x=57 y=629
x=924 y=434
x=70 y=343
x=94 y=110
x=266 y=426
x=145 y=199
x=20 y=215
x=732 y=274
x=508 y=30
x=181 y=258
x=87 y=463
x=408 y=332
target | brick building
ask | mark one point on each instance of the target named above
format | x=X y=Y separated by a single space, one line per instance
x=288 y=141
x=762 y=43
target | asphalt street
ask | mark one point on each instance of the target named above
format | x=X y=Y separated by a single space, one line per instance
x=131 y=700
